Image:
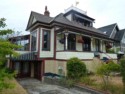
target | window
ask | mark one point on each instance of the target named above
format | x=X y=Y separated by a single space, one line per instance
x=46 y=40
x=71 y=42
x=23 y=43
x=33 y=41
x=86 y=44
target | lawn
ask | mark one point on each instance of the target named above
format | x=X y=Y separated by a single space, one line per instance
x=18 y=89
x=96 y=82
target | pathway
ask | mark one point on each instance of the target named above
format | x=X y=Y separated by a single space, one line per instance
x=34 y=86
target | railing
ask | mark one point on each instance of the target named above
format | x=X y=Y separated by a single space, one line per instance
x=69 y=54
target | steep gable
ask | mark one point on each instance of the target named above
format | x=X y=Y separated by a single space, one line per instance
x=37 y=17
x=119 y=35
x=108 y=29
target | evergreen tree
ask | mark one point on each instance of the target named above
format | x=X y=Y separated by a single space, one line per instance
x=6 y=48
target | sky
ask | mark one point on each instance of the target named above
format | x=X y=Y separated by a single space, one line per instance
x=104 y=12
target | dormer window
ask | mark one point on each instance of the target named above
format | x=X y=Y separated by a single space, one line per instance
x=105 y=32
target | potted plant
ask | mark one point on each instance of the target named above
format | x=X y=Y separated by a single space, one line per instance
x=62 y=41
x=108 y=45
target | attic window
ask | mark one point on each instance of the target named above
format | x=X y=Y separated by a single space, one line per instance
x=105 y=32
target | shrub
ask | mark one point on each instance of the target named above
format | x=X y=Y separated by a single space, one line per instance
x=110 y=51
x=122 y=64
x=87 y=81
x=105 y=70
x=75 y=68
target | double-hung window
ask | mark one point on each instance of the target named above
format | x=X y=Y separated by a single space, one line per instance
x=33 y=41
x=46 y=40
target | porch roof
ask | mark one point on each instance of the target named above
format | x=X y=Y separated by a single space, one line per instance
x=85 y=32
x=25 y=57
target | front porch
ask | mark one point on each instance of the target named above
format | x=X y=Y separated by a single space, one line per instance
x=72 y=41
x=84 y=46
x=65 y=55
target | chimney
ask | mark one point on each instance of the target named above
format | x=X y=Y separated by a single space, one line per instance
x=46 y=13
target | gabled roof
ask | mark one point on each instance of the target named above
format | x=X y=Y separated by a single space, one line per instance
x=62 y=19
x=39 y=18
x=119 y=35
x=108 y=29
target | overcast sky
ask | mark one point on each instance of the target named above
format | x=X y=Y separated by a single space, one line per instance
x=104 y=12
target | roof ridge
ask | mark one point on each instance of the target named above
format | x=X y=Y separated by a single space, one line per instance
x=56 y=17
x=107 y=25
x=40 y=14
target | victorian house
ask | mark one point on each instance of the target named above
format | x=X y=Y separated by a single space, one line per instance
x=54 y=40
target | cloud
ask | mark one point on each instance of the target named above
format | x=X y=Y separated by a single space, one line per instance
x=105 y=12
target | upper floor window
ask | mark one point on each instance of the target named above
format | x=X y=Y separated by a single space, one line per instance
x=24 y=44
x=46 y=40
x=23 y=41
x=33 y=41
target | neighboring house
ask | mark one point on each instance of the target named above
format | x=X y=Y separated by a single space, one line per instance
x=121 y=37
x=54 y=40
x=114 y=32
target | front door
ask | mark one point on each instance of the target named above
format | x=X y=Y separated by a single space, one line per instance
x=37 y=70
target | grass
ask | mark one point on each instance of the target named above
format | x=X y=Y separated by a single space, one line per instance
x=115 y=85
x=18 y=89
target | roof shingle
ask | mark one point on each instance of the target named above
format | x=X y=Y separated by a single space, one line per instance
x=108 y=29
x=119 y=35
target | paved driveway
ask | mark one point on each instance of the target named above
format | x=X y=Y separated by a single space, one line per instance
x=34 y=86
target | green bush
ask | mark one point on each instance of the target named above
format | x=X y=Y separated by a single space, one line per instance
x=105 y=70
x=110 y=51
x=75 y=68
x=122 y=64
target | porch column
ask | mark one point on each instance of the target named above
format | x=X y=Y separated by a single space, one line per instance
x=92 y=44
x=66 y=40
x=101 y=45
x=113 y=46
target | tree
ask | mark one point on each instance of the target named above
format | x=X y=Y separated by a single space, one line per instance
x=75 y=68
x=122 y=64
x=6 y=48
x=105 y=70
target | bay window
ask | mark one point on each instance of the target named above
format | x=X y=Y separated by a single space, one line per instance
x=33 y=41
x=46 y=40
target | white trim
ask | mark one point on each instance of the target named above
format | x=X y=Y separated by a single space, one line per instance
x=113 y=30
x=36 y=31
x=87 y=36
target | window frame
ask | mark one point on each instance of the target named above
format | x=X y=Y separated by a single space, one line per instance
x=48 y=44
x=35 y=31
